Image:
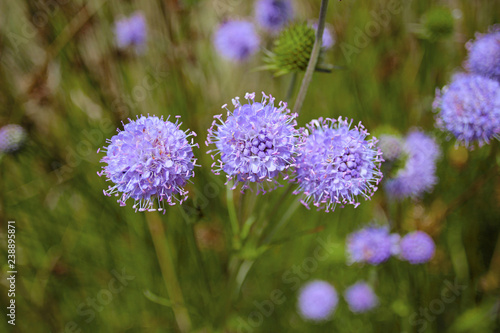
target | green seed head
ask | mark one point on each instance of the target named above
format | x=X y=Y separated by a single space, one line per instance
x=292 y=50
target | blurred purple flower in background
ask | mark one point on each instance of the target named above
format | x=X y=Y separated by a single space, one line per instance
x=329 y=38
x=372 y=245
x=417 y=247
x=337 y=164
x=150 y=160
x=256 y=143
x=317 y=300
x=360 y=297
x=484 y=54
x=418 y=174
x=131 y=32
x=273 y=15
x=469 y=108
x=236 y=40
x=12 y=137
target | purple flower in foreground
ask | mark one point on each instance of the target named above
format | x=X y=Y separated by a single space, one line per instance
x=419 y=172
x=317 y=300
x=150 y=160
x=236 y=40
x=256 y=142
x=12 y=137
x=372 y=245
x=360 y=297
x=273 y=14
x=131 y=31
x=469 y=108
x=337 y=164
x=484 y=54
x=417 y=247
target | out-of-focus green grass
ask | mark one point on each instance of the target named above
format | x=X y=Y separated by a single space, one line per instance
x=68 y=85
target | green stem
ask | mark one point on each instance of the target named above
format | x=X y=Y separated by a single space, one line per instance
x=167 y=267
x=233 y=219
x=311 y=66
x=291 y=87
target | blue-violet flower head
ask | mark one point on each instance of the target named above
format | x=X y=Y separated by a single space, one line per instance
x=419 y=172
x=360 y=297
x=417 y=247
x=257 y=142
x=337 y=163
x=484 y=54
x=469 y=108
x=131 y=32
x=236 y=40
x=150 y=160
x=12 y=137
x=317 y=300
x=372 y=245
x=273 y=15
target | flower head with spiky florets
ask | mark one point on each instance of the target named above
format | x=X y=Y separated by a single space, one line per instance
x=417 y=247
x=484 y=54
x=469 y=108
x=360 y=297
x=336 y=164
x=372 y=245
x=150 y=160
x=418 y=175
x=131 y=31
x=236 y=40
x=12 y=138
x=256 y=143
x=273 y=15
x=317 y=300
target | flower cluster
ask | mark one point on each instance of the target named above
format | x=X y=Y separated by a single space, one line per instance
x=150 y=160
x=469 y=108
x=374 y=245
x=418 y=174
x=236 y=40
x=337 y=163
x=317 y=300
x=273 y=15
x=131 y=32
x=360 y=297
x=484 y=54
x=12 y=138
x=417 y=247
x=257 y=142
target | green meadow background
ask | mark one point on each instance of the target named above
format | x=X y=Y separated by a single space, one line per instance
x=85 y=264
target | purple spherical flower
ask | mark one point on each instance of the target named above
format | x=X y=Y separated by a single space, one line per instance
x=236 y=40
x=256 y=142
x=273 y=15
x=360 y=297
x=329 y=38
x=484 y=54
x=12 y=137
x=417 y=247
x=418 y=174
x=317 y=300
x=337 y=164
x=131 y=31
x=372 y=245
x=150 y=160
x=469 y=108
